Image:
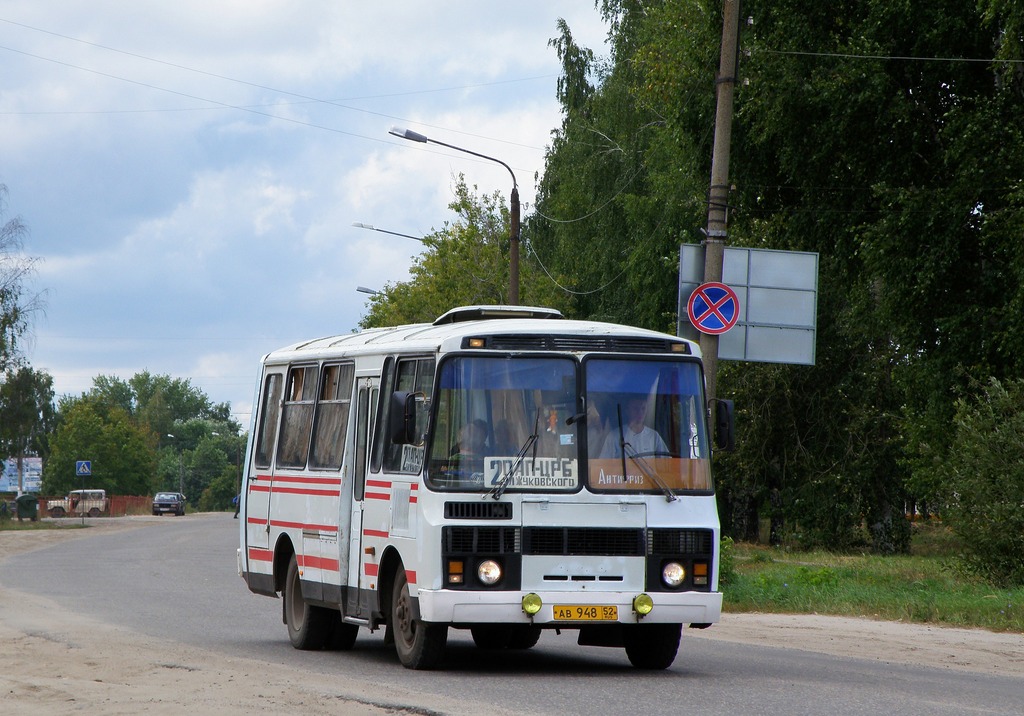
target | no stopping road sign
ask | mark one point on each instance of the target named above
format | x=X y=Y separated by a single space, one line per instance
x=713 y=308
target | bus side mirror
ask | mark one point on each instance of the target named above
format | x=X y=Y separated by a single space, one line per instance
x=405 y=417
x=725 y=425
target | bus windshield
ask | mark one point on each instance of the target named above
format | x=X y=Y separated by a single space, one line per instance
x=521 y=424
x=645 y=426
x=502 y=421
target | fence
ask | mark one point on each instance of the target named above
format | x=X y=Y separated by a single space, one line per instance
x=120 y=505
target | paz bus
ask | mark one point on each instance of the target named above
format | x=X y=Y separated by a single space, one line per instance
x=502 y=470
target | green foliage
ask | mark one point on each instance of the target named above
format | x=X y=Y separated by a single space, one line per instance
x=984 y=477
x=221 y=490
x=902 y=174
x=143 y=435
x=26 y=411
x=726 y=561
x=121 y=452
x=465 y=263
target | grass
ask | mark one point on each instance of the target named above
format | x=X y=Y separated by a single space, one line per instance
x=12 y=524
x=925 y=586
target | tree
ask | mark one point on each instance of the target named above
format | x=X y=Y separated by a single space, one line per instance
x=985 y=481
x=26 y=413
x=121 y=452
x=15 y=268
x=902 y=173
x=464 y=263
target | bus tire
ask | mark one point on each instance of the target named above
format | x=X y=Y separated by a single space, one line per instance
x=418 y=645
x=501 y=636
x=491 y=636
x=652 y=646
x=342 y=636
x=524 y=637
x=308 y=626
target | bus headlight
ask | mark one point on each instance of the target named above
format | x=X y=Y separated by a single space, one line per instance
x=489 y=572
x=673 y=574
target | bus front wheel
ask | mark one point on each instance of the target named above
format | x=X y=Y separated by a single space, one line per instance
x=418 y=645
x=308 y=626
x=652 y=646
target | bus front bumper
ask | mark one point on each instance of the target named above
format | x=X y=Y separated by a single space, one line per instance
x=567 y=609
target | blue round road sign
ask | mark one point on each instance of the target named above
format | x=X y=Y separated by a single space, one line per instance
x=713 y=308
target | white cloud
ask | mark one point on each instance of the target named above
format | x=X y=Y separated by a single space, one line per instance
x=185 y=237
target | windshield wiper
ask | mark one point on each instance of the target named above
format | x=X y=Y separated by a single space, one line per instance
x=531 y=441
x=649 y=471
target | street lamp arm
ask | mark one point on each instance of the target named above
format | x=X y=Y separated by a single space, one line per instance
x=360 y=225
x=423 y=139
x=514 y=210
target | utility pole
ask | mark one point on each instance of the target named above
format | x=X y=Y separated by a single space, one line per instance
x=718 y=195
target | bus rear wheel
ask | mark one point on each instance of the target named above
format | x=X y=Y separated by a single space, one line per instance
x=308 y=626
x=418 y=645
x=652 y=646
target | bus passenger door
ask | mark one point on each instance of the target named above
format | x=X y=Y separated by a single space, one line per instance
x=259 y=479
x=366 y=399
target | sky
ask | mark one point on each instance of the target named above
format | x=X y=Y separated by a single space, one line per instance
x=190 y=172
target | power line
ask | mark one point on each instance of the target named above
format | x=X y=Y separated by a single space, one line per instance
x=902 y=58
x=302 y=97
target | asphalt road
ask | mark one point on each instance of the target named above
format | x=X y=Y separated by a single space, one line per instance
x=177 y=579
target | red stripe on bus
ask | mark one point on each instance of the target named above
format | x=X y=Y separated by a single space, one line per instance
x=370 y=569
x=378 y=483
x=255 y=520
x=307 y=480
x=303 y=526
x=260 y=555
x=306 y=491
x=411 y=576
x=330 y=565
x=375 y=533
x=377 y=496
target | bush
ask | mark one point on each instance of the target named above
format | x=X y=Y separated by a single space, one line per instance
x=984 y=482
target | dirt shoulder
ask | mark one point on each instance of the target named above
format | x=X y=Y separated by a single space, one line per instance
x=93 y=667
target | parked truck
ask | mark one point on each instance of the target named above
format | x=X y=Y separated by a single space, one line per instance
x=80 y=502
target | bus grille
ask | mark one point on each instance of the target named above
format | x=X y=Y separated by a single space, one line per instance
x=489 y=510
x=678 y=541
x=476 y=540
x=583 y=541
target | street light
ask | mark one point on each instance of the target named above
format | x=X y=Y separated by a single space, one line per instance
x=513 y=261
x=371 y=227
x=364 y=289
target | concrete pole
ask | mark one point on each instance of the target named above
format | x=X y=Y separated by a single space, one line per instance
x=718 y=196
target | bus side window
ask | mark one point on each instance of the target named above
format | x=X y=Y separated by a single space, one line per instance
x=362 y=438
x=332 y=411
x=387 y=387
x=269 y=412
x=297 y=417
x=413 y=375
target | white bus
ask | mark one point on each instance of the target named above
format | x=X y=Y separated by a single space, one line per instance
x=502 y=470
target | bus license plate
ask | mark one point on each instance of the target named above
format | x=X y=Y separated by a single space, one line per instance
x=585 y=612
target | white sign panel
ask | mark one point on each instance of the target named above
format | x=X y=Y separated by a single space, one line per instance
x=778 y=296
